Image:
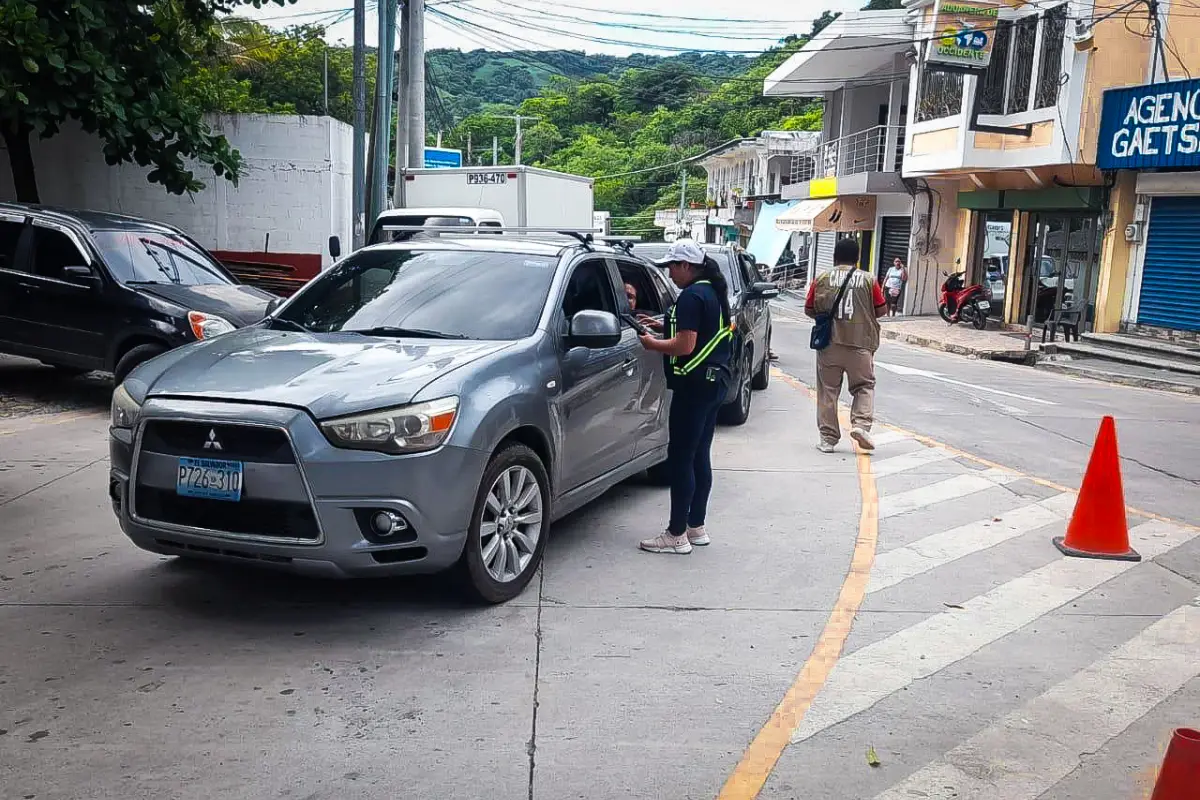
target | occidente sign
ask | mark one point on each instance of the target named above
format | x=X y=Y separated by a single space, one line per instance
x=1150 y=127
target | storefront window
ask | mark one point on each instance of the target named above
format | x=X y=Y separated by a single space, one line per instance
x=1064 y=251
x=994 y=234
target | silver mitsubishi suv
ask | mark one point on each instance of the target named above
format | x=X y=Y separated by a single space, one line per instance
x=421 y=406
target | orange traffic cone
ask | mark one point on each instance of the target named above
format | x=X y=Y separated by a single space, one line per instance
x=1179 y=778
x=1098 y=528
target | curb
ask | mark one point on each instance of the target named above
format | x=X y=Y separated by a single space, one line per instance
x=1121 y=380
x=1026 y=357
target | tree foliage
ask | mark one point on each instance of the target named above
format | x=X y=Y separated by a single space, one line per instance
x=117 y=67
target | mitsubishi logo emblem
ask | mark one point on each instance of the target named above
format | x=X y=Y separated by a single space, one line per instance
x=212 y=443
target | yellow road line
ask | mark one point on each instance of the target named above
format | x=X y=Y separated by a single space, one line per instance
x=759 y=760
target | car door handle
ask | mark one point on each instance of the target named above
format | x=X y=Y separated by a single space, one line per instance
x=629 y=365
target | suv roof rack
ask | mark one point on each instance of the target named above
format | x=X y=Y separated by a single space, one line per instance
x=585 y=236
x=624 y=243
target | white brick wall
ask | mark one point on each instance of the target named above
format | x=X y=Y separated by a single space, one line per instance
x=295 y=186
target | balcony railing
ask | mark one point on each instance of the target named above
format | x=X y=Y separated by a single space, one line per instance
x=878 y=149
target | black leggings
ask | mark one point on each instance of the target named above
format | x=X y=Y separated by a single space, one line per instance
x=693 y=420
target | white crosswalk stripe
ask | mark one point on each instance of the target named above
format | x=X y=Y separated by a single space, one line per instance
x=1040 y=743
x=882 y=668
x=1031 y=749
x=907 y=461
x=949 y=489
x=942 y=548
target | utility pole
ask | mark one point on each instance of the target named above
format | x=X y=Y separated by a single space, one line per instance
x=326 y=80
x=468 y=148
x=495 y=150
x=381 y=121
x=402 y=104
x=416 y=83
x=359 y=167
x=682 y=199
x=439 y=140
x=517 y=142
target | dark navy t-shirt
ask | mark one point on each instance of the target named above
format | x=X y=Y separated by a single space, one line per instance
x=699 y=309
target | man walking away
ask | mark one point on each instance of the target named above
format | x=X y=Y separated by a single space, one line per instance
x=851 y=351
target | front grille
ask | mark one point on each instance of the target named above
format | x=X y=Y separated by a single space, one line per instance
x=267 y=518
x=238 y=442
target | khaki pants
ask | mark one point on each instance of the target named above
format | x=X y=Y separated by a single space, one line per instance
x=858 y=366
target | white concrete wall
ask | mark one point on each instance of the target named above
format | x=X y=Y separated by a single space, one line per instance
x=295 y=186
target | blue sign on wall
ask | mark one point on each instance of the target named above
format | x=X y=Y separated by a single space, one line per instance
x=442 y=158
x=1150 y=127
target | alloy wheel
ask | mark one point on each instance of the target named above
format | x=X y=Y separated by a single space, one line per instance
x=511 y=524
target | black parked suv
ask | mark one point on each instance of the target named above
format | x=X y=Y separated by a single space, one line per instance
x=84 y=290
x=748 y=296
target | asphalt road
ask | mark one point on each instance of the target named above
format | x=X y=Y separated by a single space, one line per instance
x=965 y=656
x=1040 y=423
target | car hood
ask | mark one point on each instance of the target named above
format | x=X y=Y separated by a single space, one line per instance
x=328 y=374
x=240 y=304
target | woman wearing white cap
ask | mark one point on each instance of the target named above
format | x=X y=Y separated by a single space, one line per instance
x=696 y=351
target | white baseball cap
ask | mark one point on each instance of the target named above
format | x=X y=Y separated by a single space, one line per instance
x=682 y=250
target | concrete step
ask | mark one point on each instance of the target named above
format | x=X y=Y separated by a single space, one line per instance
x=1153 y=359
x=1150 y=346
x=1124 y=375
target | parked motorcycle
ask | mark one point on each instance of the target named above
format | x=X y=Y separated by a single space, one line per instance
x=960 y=303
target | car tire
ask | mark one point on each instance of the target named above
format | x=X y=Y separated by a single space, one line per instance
x=737 y=411
x=135 y=357
x=497 y=526
x=762 y=378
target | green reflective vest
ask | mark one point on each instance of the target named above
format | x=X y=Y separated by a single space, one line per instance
x=724 y=331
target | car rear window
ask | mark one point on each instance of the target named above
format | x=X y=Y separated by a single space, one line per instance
x=458 y=293
x=652 y=252
x=154 y=257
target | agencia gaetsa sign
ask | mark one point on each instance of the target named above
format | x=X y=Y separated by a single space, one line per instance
x=1150 y=127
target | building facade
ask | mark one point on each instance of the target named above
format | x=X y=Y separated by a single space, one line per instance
x=854 y=186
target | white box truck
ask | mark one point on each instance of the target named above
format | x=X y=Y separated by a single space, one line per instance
x=527 y=197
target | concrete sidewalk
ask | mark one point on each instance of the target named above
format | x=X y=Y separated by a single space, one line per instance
x=934 y=333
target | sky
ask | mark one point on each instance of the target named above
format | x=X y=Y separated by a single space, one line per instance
x=617 y=27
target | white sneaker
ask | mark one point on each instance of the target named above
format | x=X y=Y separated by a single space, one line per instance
x=863 y=438
x=826 y=447
x=666 y=543
x=698 y=536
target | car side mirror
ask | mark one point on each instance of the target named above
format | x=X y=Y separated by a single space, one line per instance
x=762 y=290
x=82 y=276
x=335 y=247
x=594 y=330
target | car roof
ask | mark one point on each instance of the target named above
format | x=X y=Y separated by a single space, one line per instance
x=443 y=211
x=91 y=220
x=494 y=243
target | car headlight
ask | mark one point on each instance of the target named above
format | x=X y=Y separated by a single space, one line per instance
x=125 y=409
x=206 y=326
x=408 y=429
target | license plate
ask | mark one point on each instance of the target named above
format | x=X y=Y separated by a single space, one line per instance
x=210 y=478
x=984 y=304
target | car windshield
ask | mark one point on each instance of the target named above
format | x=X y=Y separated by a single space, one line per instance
x=433 y=293
x=154 y=257
x=656 y=251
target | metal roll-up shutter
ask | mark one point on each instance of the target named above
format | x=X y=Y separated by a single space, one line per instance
x=894 y=242
x=1170 y=295
x=824 y=255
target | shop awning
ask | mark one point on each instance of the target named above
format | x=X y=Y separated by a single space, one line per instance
x=841 y=214
x=801 y=218
x=768 y=242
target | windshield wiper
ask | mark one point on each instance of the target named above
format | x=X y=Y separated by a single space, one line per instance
x=296 y=326
x=144 y=283
x=412 y=333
